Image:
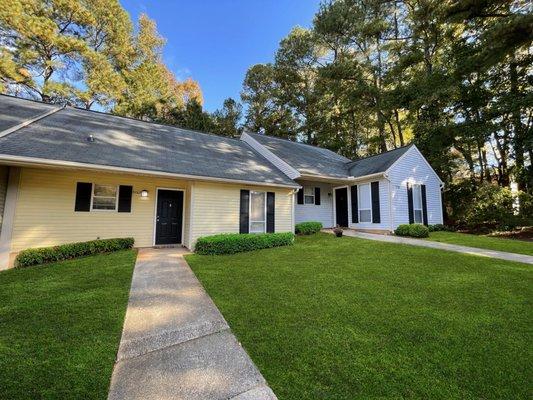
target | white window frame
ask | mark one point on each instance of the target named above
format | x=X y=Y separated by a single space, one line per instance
x=421 y=209
x=309 y=195
x=250 y=212
x=92 y=198
x=359 y=208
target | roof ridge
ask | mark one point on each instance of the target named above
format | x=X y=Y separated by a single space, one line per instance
x=30 y=121
x=300 y=143
x=123 y=116
x=385 y=152
x=155 y=123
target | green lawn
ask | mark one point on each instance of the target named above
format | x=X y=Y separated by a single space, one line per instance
x=484 y=242
x=60 y=326
x=347 y=318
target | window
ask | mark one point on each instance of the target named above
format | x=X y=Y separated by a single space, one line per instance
x=365 y=203
x=417 y=204
x=257 y=212
x=309 y=195
x=104 y=197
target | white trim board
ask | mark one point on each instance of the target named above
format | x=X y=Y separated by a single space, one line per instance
x=8 y=221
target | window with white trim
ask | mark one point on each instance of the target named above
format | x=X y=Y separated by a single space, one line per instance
x=364 y=199
x=104 y=197
x=309 y=195
x=257 y=212
x=417 y=204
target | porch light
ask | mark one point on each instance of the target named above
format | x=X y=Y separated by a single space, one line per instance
x=144 y=193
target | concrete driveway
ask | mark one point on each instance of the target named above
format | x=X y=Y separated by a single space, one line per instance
x=175 y=343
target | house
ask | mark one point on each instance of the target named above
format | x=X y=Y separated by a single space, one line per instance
x=374 y=194
x=68 y=175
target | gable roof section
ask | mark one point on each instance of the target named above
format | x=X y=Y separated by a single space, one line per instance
x=134 y=144
x=376 y=164
x=312 y=160
x=306 y=159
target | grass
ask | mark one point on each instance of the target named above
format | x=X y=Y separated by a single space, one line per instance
x=484 y=242
x=60 y=326
x=346 y=318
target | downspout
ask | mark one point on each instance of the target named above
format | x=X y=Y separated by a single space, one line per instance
x=391 y=213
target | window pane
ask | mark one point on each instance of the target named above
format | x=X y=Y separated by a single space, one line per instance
x=104 y=203
x=364 y=196
x=257 y=227
x=105 y=190
x=418 y=216
x=309 y=200
x=257 y=212
x=417 y=197
x=365 y=216
x=309 y=191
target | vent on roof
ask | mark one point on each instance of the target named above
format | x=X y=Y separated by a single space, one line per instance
x=90 y=138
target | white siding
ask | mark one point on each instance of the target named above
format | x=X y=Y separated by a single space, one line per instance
x=412 y=167
x=310 y=212
x=383 y=207
x=278 y=162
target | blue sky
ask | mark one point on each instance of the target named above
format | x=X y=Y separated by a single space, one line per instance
x=215 y=41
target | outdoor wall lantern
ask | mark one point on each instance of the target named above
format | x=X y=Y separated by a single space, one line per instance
x=144 y=193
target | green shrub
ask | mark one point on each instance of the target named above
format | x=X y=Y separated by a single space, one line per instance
x=413 y=230
x=402 y=230
x=418 y=231
x=67 y=251
x=436 y=228
x=308 y=228
x=230 y=243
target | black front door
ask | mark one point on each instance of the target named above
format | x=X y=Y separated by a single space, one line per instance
x=169 y=217
x=341 y=206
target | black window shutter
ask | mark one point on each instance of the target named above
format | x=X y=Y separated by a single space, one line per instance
x=410 y=203
x=271 y=205
x=424 y=205
x=300 y=196
x=355 y=207
x=376 y=216
x=317 y=196
x=83 y=196
x=124 y=198
x=244 y=226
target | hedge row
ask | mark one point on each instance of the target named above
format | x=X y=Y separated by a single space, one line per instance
x=230 y=243
x=71 y=250
x=308 y=228
x=413 y=230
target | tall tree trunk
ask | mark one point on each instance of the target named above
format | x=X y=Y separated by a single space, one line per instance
x=518 y=139
x=399 y=126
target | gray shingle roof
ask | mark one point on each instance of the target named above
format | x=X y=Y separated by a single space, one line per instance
x=13 y=111
x=130 y=143
x=306 y=159
x=312 y=160
x=376 y=164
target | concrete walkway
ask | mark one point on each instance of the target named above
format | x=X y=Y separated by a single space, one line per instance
x=441 y=246
x=175 y=343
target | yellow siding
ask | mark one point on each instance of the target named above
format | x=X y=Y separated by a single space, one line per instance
x=216 y=208
x=45 y=214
